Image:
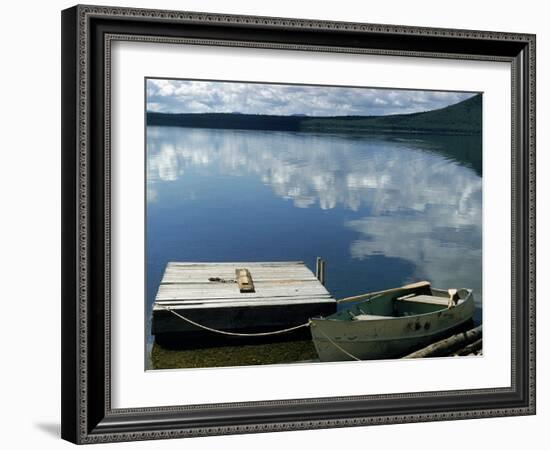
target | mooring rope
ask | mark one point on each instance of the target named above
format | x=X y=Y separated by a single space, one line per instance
x=268 y=333
x=338 y=347
x=230 y=333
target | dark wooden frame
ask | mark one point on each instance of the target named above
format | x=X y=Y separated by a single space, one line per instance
x=87 y=32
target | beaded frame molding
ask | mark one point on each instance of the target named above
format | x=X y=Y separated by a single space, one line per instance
x=87 y=35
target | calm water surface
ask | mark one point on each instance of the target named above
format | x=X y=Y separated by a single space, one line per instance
x=381 y=210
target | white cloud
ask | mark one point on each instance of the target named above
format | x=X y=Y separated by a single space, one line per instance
x=185 y=96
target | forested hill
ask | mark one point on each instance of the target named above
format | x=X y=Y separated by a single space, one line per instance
x=460 y=118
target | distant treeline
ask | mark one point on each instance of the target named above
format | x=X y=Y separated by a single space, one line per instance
x=461 y=118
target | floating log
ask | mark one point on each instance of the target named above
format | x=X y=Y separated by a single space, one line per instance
x=472 y=348
x=449 y=345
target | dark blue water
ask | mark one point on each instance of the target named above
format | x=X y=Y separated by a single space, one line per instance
x=381 y=210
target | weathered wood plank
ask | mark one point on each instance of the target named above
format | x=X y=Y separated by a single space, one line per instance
x=430 y=299
x=234 y=303
x=199 y=282
x=181 y=274
x=244 y=280
x=232 y=285
x=203 y=278
x=197 y=294
x=258 y=300
x=240 y=263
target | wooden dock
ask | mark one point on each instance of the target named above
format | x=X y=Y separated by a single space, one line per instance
x=239 y=297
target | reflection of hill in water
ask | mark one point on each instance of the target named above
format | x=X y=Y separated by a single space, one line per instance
x=465 y=150
x=411 y=197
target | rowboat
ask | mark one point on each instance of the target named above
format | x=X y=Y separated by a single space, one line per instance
x=391 y=323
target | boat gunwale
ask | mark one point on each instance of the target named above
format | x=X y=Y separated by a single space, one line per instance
x=384 y=318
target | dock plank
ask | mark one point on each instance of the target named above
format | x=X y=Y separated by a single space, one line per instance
x=173 y=274
x=239 y=303
x=200 y=291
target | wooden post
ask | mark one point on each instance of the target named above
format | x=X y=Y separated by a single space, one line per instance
x=322 y=272
x=318 y=268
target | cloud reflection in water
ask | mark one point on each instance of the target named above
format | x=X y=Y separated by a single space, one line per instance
x=408 y=199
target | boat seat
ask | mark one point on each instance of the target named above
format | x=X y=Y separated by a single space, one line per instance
x=369 y=317
x=429 y=299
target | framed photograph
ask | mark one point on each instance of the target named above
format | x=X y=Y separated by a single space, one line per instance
x=281 y=224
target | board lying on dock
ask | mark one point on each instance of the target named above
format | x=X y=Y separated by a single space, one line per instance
x=236 y=297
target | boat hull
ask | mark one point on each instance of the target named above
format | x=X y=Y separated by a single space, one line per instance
x=388 y=337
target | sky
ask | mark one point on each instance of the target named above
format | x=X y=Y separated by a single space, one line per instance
x=186 y=96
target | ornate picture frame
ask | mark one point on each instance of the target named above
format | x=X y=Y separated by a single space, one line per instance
x=88 y=33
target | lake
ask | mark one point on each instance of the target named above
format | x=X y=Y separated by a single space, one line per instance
x=382 y=210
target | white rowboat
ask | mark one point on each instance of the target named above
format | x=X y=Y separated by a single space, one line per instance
x=392 y=323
